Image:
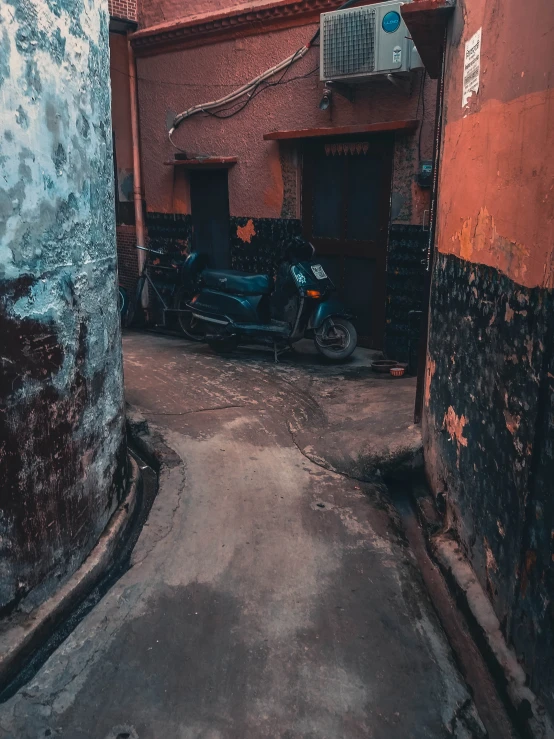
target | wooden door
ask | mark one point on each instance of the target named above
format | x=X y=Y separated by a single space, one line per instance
x=346 y=212
x=209 y=200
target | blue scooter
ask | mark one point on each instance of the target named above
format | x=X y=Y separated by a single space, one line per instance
x=241 y=308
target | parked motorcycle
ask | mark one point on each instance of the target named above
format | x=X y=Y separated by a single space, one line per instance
x=241 y=308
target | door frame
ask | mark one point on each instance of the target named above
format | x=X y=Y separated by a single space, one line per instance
x=203 y=172
x=371 y=250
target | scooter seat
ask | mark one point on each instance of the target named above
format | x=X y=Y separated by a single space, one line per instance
x=241 y=283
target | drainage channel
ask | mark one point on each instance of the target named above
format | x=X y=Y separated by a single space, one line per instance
x=495 y=712
x=147 y=493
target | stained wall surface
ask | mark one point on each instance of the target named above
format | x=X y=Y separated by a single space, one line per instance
x=62 y=450
x=489 y=420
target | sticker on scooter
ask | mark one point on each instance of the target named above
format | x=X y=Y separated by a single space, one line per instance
x=318 y=271
x=298 y=276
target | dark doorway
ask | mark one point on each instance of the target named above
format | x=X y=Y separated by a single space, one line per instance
x=345 y=213
x=209 y=200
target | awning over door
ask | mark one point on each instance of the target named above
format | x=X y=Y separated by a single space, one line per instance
x=203 y=162
x=312 y=133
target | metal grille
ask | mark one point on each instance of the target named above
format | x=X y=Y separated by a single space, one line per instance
x=349 y=42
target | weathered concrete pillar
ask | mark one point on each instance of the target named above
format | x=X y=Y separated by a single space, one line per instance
x=62 y=446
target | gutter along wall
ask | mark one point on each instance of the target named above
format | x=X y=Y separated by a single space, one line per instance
x=489 y=415
x=264 y=185
x=62 y=446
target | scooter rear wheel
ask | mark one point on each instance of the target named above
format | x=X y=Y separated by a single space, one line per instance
x=185 y=318
x=336 y=339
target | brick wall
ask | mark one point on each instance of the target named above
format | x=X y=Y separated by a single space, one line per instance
x=123 y=9
x=127 y=262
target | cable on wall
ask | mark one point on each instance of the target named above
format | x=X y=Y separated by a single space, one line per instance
x=250 y=89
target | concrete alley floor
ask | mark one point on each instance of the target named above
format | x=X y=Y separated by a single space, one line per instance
x=267 y=595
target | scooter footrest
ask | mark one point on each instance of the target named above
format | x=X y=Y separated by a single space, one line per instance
x=281 y=329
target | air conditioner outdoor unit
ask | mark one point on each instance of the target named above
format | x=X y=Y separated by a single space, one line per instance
x=359 y=43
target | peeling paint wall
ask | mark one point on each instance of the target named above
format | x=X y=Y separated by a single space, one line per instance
x=489 y=395
x=62 y=450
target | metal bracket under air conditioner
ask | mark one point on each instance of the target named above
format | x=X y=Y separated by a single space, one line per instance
x=345 y=91
x=404 y=84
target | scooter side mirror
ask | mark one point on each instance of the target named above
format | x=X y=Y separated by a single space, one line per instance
x=299 y=251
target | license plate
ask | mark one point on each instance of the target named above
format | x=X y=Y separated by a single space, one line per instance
x=318 y=271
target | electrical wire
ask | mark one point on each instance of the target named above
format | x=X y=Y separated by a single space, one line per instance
x=244 y=90
x=258 y=90
x=419 y=94
x=422 y=96
x=255 y=93
x=250 y=97
x=250 y=89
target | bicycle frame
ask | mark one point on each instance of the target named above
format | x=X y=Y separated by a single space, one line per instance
x=146 y=278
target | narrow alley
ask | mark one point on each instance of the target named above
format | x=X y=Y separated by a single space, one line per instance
x=276 y=369
x=267 y=596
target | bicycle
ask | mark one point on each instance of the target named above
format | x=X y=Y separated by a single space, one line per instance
x=181 y=293
x=122 y=305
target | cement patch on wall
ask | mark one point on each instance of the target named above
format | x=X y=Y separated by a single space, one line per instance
x=62 y=451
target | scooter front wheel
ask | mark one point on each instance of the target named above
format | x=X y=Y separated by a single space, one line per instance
x=336 y=339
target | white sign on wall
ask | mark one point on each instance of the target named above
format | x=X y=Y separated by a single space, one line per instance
x=472 y=67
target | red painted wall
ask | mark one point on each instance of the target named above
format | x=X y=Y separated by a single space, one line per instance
x=172 y=82
x=497 y=200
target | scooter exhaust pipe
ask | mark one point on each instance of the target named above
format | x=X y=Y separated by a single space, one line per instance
x=210 y=320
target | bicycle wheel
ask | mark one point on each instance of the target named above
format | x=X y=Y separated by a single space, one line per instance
x=122 y=303
x=184 y=316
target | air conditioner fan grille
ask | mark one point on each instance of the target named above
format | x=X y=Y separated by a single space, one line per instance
x=349 y=43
